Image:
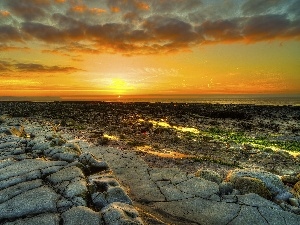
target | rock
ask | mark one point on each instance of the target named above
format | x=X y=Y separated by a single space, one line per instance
x=107 y=190
x=209 y=175
x=283 y=196
x=271 y=181
x=81 y=216
x=294 y=202
x=62 y=153
x=120 y=214
x=71 y=183
x=289 y=179
x=225 y=188
x=248 y=185
x=32 y=202
x=297 y=189
x=92 y=164
x=44 y=219
x=18 y=189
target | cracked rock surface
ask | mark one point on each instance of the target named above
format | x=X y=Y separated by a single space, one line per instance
x=180 y=198
x=46 y=179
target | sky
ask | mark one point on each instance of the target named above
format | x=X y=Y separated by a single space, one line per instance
x=78 y=48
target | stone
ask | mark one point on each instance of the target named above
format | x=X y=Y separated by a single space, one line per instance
x=62 y=153
x=12 y=191
x=120 y=214
x=271 y=181
x=32 y=202
x=198 y=187
x=92 y=164
x=297 y=189
x=44 y=219
x=248 y=215
x=81 y=216
x=71 y=183
x=106 y=190
x=289 y=179
x=209 y=175
x=248 y=185
x=294 y=202
x=284 y=196
x=255 y=200
x=225 y=188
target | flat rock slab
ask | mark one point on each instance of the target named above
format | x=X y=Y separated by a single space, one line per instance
x=181 y=198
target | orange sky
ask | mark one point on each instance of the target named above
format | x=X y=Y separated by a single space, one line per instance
x=132 y=47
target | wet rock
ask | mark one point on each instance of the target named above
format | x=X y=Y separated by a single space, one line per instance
x=209 y=175
x=81 y=216
x=271 y=181
x=121 y=214
x=251 y=185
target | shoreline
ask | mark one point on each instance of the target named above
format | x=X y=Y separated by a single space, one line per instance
x=185 y=138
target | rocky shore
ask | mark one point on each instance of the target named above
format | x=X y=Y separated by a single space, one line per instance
x=135 y=163
x=47 y=179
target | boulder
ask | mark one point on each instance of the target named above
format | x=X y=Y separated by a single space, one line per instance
x=271 y=181
x=248 y=185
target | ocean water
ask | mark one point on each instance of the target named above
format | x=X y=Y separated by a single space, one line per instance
x=280 y=100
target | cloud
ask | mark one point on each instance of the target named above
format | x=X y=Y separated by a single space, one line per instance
x=9 y=33
x=35 y=67
x=251 y=7
x=146 y=27
x=267 y=27
x=28 y=9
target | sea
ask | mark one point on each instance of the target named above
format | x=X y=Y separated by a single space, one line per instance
x=248 y=99
x=280 y=100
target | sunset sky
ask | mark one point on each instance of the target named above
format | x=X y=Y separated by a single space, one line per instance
x=136 y=47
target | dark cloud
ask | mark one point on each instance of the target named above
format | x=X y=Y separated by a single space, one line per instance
x=221 y=30
x=28 y=9
x=34 y=67
x=44 y=32
x=266 y=27
x=169 y=29
x=9 y=33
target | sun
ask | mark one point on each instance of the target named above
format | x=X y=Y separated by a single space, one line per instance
x=120 y=86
